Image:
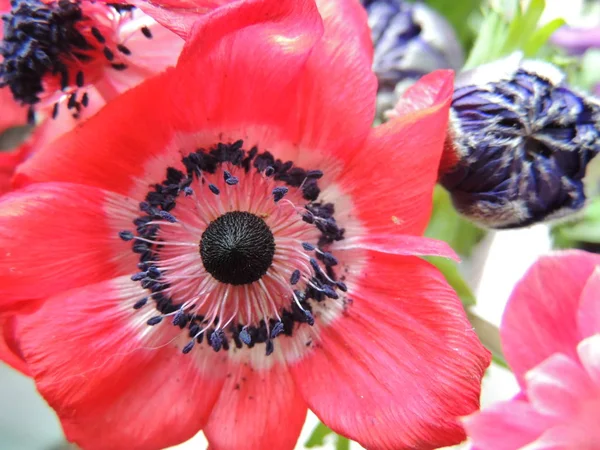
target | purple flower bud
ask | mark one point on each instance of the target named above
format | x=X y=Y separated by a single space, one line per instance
x=410 y=40
x=576 y=41
x=524 y=140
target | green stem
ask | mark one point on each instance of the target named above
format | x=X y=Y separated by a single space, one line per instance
x=490 y=338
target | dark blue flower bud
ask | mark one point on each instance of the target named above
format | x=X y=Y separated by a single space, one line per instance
x=523 y=139
x=410 y=40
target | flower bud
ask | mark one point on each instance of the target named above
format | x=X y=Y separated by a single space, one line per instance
x=410 y=40
x=576 y=41
x=523 y=141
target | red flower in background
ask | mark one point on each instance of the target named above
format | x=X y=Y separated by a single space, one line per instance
x=551 y=337
x=66 y=59
x=12 y=114
x=230 y=244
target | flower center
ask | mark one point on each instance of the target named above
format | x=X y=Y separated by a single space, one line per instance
x=234 y=247
x=237 y=248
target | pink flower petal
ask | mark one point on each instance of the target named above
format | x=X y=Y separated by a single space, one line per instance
x=257 y=409
x=400 y=366
x=505 y=426
x=542 y=310
x=588 y=314
x=56 y=236
x=114 y=381
x=558 y=386
x=589 y=355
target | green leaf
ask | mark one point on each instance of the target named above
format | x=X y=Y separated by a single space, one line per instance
x=529 y=22
x=458 y=14
x=513 y=35
x=489 y=42
x=320 y=433
x=447 y=225
x=454 y=278
x=584 y=229
x=317 y=438
x=489 y=335
x=508 y=29
x=342 y=443
x=541 y=36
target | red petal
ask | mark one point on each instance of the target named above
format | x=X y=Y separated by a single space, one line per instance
x=542 y=310
x=505 y=426
x=432 y=89
x=257 y=409
x=56 y=236
x=120 y=152
x=114 y=381
x=8 y=164
x=392 y=244
x=337 y=95
x=329 y=108
x=391 y=179
x=244 y=94
x=9 y=348
x=401 y=365
x=178 y=15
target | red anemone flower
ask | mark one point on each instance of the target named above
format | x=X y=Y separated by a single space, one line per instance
x=65 y=59
x=71 y=54
x=230 y=243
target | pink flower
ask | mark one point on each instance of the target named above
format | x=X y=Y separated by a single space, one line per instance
x=551 y=338
x=237 y=245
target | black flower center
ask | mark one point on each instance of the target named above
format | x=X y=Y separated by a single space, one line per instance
x=37 y=36
x=237 y=248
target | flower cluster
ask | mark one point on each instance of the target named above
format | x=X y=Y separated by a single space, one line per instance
x=226 y=243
